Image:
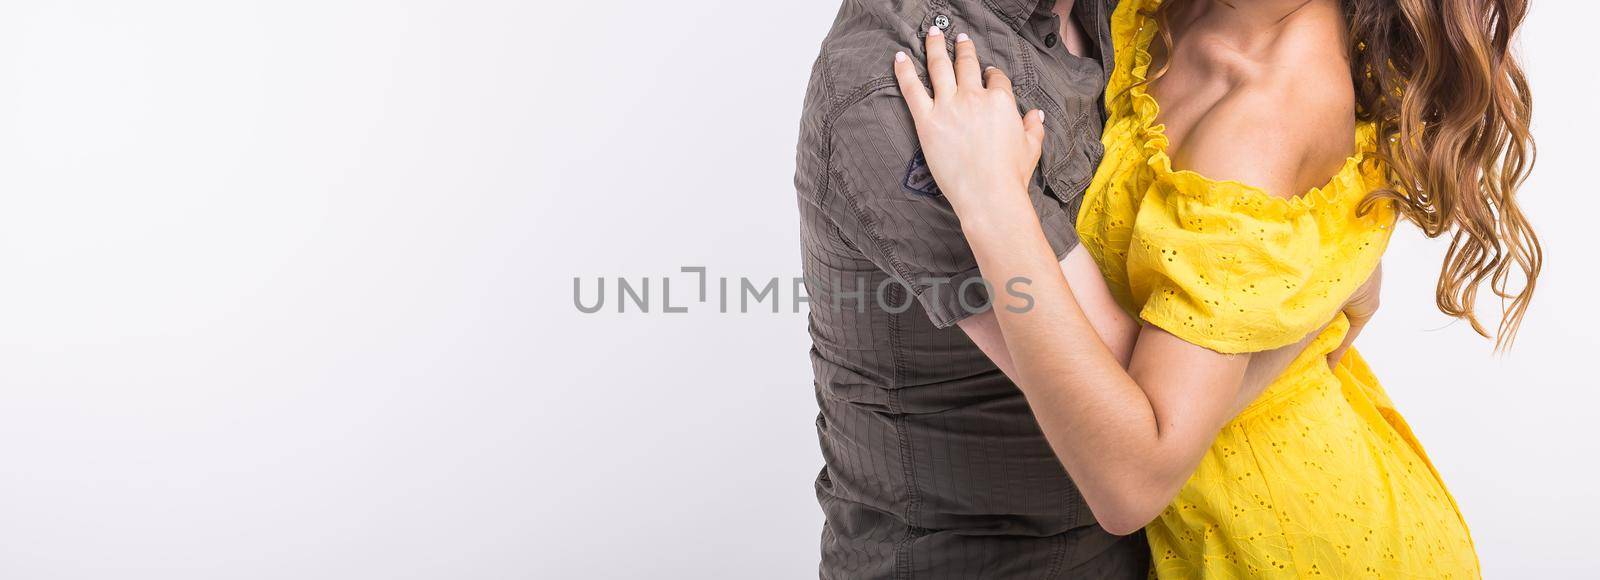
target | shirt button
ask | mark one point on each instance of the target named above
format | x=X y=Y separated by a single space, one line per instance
x=1050 y=40
x=942 y=21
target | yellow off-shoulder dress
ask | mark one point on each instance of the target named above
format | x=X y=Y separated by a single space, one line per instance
x=1320 y=477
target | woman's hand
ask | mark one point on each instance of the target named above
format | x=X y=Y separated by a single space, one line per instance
x=976 y=144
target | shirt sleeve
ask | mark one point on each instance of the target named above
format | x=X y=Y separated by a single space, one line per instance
x=887 y=207
x=1232 y=269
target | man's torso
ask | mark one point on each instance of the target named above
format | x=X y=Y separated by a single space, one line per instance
x=935 y=466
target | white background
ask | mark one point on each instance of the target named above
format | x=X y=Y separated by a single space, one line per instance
x=286 y=292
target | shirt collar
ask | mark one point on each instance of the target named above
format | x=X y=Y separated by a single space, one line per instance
x=1019 y=11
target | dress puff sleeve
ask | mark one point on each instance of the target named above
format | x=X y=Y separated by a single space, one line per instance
x=1233 y=269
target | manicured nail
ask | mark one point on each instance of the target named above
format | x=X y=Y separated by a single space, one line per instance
x=934 y=31
x=1039 y=113
x=900 y=56
x=962 y=37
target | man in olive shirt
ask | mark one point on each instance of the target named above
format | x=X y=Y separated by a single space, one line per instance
x=935 y=465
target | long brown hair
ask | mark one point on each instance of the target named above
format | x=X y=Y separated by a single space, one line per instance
x=1439 y=80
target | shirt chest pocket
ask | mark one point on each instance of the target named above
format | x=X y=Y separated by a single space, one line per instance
x=1072 y=148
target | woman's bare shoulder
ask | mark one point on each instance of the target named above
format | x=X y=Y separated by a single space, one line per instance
x=1288 y=122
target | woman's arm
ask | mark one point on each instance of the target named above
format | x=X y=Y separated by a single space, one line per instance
x=1129 y=438
x=1113 y=326
x=1118 y=330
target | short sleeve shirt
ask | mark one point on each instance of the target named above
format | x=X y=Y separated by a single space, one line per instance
x=935 y=466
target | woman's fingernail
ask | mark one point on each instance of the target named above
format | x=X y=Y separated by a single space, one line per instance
x=900 y=56
x=1039 y=113
x=962 y=37
x=934 y=31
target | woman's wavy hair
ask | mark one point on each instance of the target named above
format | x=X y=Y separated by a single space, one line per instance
x=1440 y=82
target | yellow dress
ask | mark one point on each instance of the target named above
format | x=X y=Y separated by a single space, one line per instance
x=1320 y=476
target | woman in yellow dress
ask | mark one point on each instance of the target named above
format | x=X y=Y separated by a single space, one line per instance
x=1257 y=156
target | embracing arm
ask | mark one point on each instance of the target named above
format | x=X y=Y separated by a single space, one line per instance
x=1114 y=327
x=1129 y=438
x=1118 y=331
